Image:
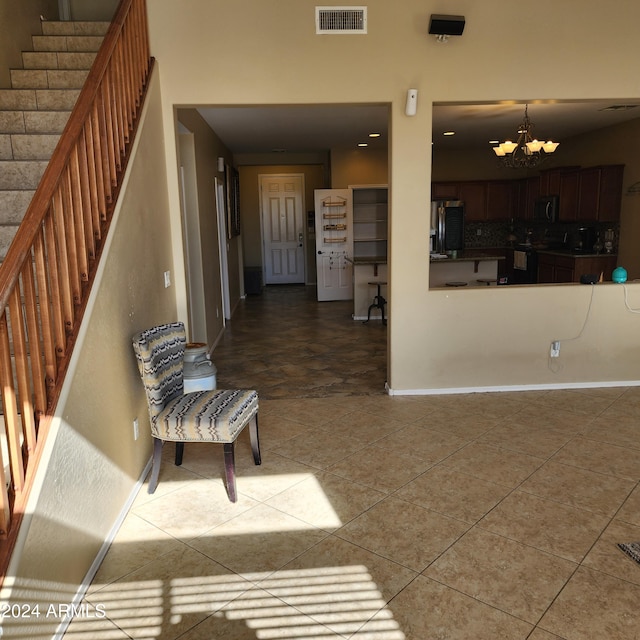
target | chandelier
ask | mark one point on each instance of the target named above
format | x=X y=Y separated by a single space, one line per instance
x=527 y=152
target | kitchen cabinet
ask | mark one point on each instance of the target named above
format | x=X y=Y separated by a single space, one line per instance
x=501 y=199
x=528 y=191
x=564 y=182
x=589 y=191
x=592 y=194
x=444 y=191
x=474 y=196
x=557 y=268
x=600 y=193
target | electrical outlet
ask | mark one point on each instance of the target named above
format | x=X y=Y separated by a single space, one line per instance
x=555 y=349
x=136 y=429
x=167 y=279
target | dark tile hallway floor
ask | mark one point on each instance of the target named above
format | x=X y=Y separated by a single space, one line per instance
x=287 y=345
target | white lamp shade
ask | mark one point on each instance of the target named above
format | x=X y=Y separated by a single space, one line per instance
x=534 y=146
x=498 y=151
x=507 y=146
x=550 y=146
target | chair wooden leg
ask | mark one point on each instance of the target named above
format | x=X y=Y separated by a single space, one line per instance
x=155 y=467
x=230 y=470
x=255 y=440
x=179 y=452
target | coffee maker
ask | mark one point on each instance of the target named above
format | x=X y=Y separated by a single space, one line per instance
x=585 y=239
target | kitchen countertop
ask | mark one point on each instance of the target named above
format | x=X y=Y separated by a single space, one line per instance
x=368 y=260
x=472 y=255
x=575 y=254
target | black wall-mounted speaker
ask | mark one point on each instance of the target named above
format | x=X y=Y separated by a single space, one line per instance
x=446 y=25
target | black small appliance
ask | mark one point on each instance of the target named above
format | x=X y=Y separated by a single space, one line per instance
x=546 y=208
x=585 y=239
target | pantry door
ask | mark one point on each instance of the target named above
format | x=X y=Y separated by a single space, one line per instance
x=282 y=219
x=334 y=243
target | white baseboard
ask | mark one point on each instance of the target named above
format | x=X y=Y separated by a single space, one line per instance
x=523 y=387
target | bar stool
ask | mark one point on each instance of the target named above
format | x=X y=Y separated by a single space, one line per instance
x=378 y=302
x=456 y=284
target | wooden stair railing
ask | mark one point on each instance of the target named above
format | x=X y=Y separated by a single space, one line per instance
x=48 y=270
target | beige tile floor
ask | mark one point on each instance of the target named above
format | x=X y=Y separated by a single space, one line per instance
x=462 y=517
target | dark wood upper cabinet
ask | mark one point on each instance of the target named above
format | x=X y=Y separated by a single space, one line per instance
x=501 y=199
x=474 y=196
x=589 y=194
x=592 y=194
x=563 y=182
x=528 y=191
x=600 y=193
x=444 y=190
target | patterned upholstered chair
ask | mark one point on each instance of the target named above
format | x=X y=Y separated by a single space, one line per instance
x=201 y=416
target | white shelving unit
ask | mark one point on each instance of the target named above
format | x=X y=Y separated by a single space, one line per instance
x=370 y=221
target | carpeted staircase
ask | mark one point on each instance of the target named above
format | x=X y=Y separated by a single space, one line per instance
x=34 y=112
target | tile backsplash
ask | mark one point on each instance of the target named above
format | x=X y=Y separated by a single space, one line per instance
x=480 y=235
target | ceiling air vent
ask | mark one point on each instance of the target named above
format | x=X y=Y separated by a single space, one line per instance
x=341 y=20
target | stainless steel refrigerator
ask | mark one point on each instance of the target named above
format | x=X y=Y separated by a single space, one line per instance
x=447 y=226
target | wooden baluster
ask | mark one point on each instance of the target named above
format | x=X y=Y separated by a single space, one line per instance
x=88 y=202
x=110 y=121
x=46 y=320
x=34 y=357
x=20 y=357
x=127 y=80
x=116 y=88
x=92 y=173
x=10 y=415
x=58 y=298
x=100 y=141
x=65 y=223
x=79 y=217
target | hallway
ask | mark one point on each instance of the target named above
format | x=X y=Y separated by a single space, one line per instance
x=459 y=517
x=287 y=345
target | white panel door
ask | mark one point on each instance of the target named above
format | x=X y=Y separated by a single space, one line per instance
x=282 y=228
x=334 y=243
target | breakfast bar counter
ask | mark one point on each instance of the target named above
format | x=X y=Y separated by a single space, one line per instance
x=365 y=270
x=475 y=267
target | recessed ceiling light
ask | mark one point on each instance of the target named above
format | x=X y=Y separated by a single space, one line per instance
x=494 y=141
x=374 y=135
x=362 y=144
x=449 y=133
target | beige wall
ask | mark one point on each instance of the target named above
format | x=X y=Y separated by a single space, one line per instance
x=357 y=167
x=92 y=9
x=92 y=462
x=438 y=339
x=207 y=149
x=19 y=20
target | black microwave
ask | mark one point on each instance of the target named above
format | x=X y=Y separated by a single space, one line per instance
x=545 y=208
